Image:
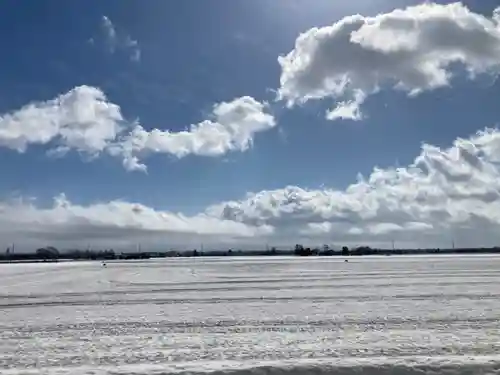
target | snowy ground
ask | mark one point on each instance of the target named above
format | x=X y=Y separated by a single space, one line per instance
x=373 y=315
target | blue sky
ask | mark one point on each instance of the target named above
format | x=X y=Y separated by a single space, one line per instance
x=165 y=65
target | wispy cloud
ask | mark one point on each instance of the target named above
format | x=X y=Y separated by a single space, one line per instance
x=133 y=46
x=110 y=33
x=119 y=41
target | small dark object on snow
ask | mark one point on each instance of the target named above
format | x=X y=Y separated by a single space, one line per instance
x=346 y=260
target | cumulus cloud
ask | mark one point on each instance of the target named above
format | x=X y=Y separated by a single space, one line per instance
x=412 y=49
x=81 y=119
x=443 y=194
x=315 y=229
x=119 y=41
x=232 y=127
x=84 y=120
x=114 y=223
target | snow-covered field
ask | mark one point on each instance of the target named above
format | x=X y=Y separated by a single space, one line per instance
x=373 y=315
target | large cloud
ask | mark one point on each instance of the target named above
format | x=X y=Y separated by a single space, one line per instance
x=84 y=120
x=410 y=49
x=115 y=223
x=443 y=194
x=81 y=119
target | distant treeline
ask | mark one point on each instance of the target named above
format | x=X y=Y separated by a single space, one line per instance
x=367 y=250
x=47 y=254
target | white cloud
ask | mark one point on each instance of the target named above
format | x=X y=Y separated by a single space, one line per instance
x=116 y=41
x=81 y=119
x=84 y=120
x=408 y=49
x=133 y=46
x=443 y=194
x=496 y=15
x=232 y=127
x=115 y=223
x=109 y=32
x=348 y=110
x=315 y=229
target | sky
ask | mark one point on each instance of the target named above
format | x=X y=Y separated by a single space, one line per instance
x=247 y=124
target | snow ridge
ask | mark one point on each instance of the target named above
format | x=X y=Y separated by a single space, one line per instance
x=450 y=365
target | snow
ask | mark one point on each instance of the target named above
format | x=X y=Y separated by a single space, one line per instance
x=270 y=315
